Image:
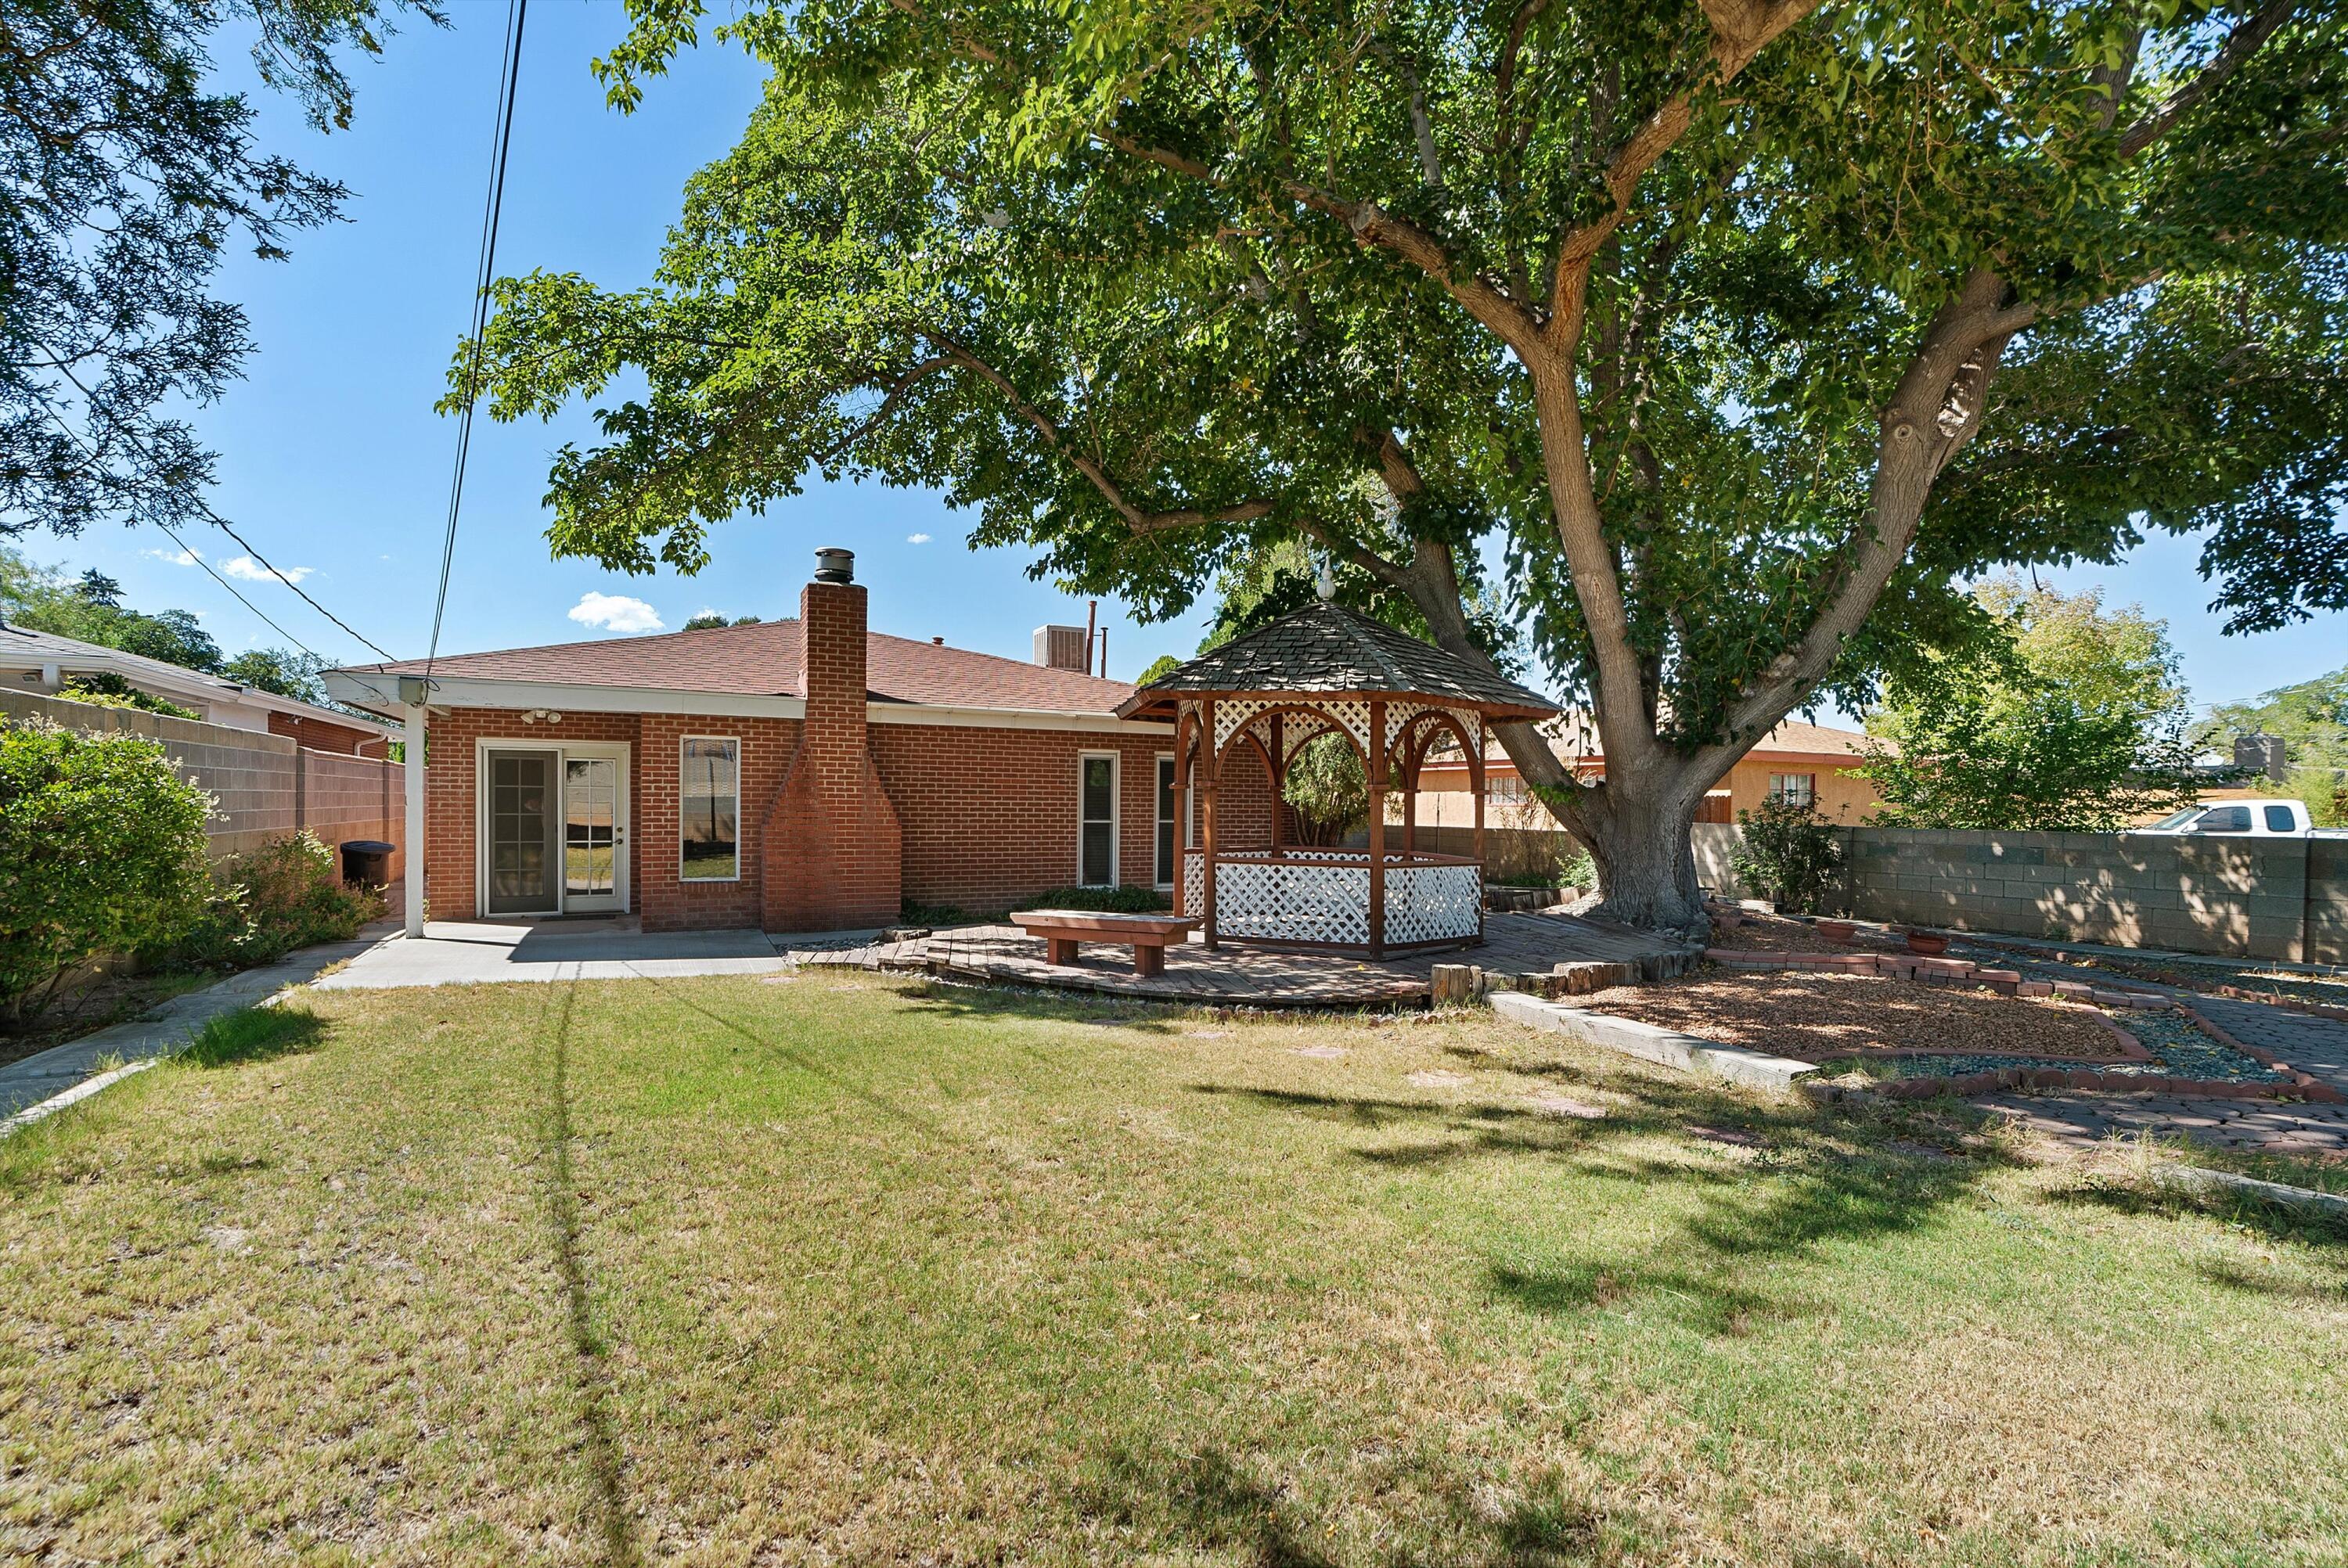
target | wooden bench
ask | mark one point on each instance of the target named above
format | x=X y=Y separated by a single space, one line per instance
x=1146 y=935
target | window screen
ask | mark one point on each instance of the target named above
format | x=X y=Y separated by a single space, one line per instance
x=1096 y=841
x=709 y=802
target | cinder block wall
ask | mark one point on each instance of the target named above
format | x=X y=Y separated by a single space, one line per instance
x=2282 y=899
x=2238 y=896
x=265 y=786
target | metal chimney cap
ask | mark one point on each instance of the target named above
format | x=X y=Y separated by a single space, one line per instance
x=834 y=565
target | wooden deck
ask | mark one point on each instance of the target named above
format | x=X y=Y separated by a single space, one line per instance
x=1240 y=975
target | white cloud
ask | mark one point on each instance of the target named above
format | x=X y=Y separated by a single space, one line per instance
x=615 y=613
x=251 y=570
x=917 y=539
x=176 y=558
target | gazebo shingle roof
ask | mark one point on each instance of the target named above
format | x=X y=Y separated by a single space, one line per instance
x=1329 y=650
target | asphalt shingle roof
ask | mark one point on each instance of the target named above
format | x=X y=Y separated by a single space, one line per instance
x=763 y=660
x=1327 y=649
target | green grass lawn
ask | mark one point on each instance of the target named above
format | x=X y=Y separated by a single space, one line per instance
x=831 y=1271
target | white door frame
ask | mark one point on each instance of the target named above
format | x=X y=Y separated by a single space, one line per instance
x=615 y=751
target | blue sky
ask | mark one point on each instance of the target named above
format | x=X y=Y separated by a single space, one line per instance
x=331 y=458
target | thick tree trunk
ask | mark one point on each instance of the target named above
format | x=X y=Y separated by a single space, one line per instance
x=1646 y=860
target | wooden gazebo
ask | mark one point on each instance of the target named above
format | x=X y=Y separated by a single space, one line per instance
x=1328 y=670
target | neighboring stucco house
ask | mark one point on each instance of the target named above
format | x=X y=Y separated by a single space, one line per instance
x=40 y=662
x=1808 y=763
x=802 y=775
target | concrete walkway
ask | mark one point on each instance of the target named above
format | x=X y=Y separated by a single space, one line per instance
x=164 y=1029
x=480 y=952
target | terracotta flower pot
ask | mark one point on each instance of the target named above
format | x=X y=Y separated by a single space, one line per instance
x=1927 y=946
x=1838 y=930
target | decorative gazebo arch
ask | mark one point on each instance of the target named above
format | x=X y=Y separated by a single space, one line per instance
x=1322 y=670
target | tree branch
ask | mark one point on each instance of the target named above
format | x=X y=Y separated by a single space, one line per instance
x=1142 y=522
x=2240 y=46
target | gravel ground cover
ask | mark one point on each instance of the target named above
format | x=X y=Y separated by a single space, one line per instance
x=1813 y=1017
x=1757 y=933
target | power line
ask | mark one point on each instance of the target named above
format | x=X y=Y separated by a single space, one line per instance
x=266 y=565
x=172 y=533
x=216 y=520
x=502 y=143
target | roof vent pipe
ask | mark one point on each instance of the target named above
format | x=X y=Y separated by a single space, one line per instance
x=834 y=565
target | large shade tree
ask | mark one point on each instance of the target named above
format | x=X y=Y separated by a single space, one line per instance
x=1735 y=329
x=126 y=174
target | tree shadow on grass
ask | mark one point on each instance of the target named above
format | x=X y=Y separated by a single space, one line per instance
x=1212 y=1502
x=255 y=1034
x=2275 y=1221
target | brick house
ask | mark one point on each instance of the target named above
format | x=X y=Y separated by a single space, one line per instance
x=799 y=775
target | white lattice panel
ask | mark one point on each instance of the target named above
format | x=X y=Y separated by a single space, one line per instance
x=1400 y=716
x=1232 y=716
x=1194 y=873
x=1241 y=713
x=1293 y=903
x=1432 y=903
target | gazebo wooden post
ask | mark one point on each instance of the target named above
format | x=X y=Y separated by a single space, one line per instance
x=1377 y=750
x=1410 y=764
x=1185 y=836
x=1277 y=760
x=1475 y=788
x=1206 y=764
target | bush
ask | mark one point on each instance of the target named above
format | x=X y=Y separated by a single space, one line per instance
x=272 y=900
x=1788 y=855
x=101 y=851
x=105 y=690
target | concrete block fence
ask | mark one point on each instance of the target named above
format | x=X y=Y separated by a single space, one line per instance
x=265 y=786
x=2280 y=898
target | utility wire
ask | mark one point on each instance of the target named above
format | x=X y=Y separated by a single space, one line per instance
x=501 y=144
x=172 y=533
x=217 y=521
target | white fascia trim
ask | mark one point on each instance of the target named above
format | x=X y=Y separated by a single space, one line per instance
x=381 y=694
x=195 y=686
x=1010 y=719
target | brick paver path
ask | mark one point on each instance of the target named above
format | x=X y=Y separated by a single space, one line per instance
x=2082 y=1120
x=1239 y=974
x=2316 y=1046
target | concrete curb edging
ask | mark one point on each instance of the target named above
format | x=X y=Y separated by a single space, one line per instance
x=78 y=1092
x=2303 y=1085
x=1668 y=1048
x=2201 y=1179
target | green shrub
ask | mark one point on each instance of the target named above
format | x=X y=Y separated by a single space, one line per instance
x=101 y=851
x=1789 y=854
x=272 y=900
x=108 y=690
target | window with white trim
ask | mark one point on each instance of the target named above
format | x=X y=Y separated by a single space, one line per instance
x=709 y=810
x=1169 y=800
x=1794 y=789
x=1097 y=819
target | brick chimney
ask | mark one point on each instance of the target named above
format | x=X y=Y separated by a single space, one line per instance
x=831 y=840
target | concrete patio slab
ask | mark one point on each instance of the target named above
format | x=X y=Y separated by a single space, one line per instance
x=490 y=952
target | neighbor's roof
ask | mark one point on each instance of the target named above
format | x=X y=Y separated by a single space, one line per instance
x=1578 y=742
x=1327 y=649
x=21 y=647
x=762 y=659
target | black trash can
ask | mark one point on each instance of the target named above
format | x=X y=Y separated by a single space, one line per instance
x=366 y=862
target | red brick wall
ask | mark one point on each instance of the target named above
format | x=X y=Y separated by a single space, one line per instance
x=985 y=818
x=666 y=902
x=323 y=735
x=451 y=803
x=830 y=840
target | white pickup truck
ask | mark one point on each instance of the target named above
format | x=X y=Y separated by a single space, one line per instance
x=2250 y=818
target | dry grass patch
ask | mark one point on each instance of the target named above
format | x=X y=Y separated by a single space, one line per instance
x=1813 y=1017
x=718 y=1272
